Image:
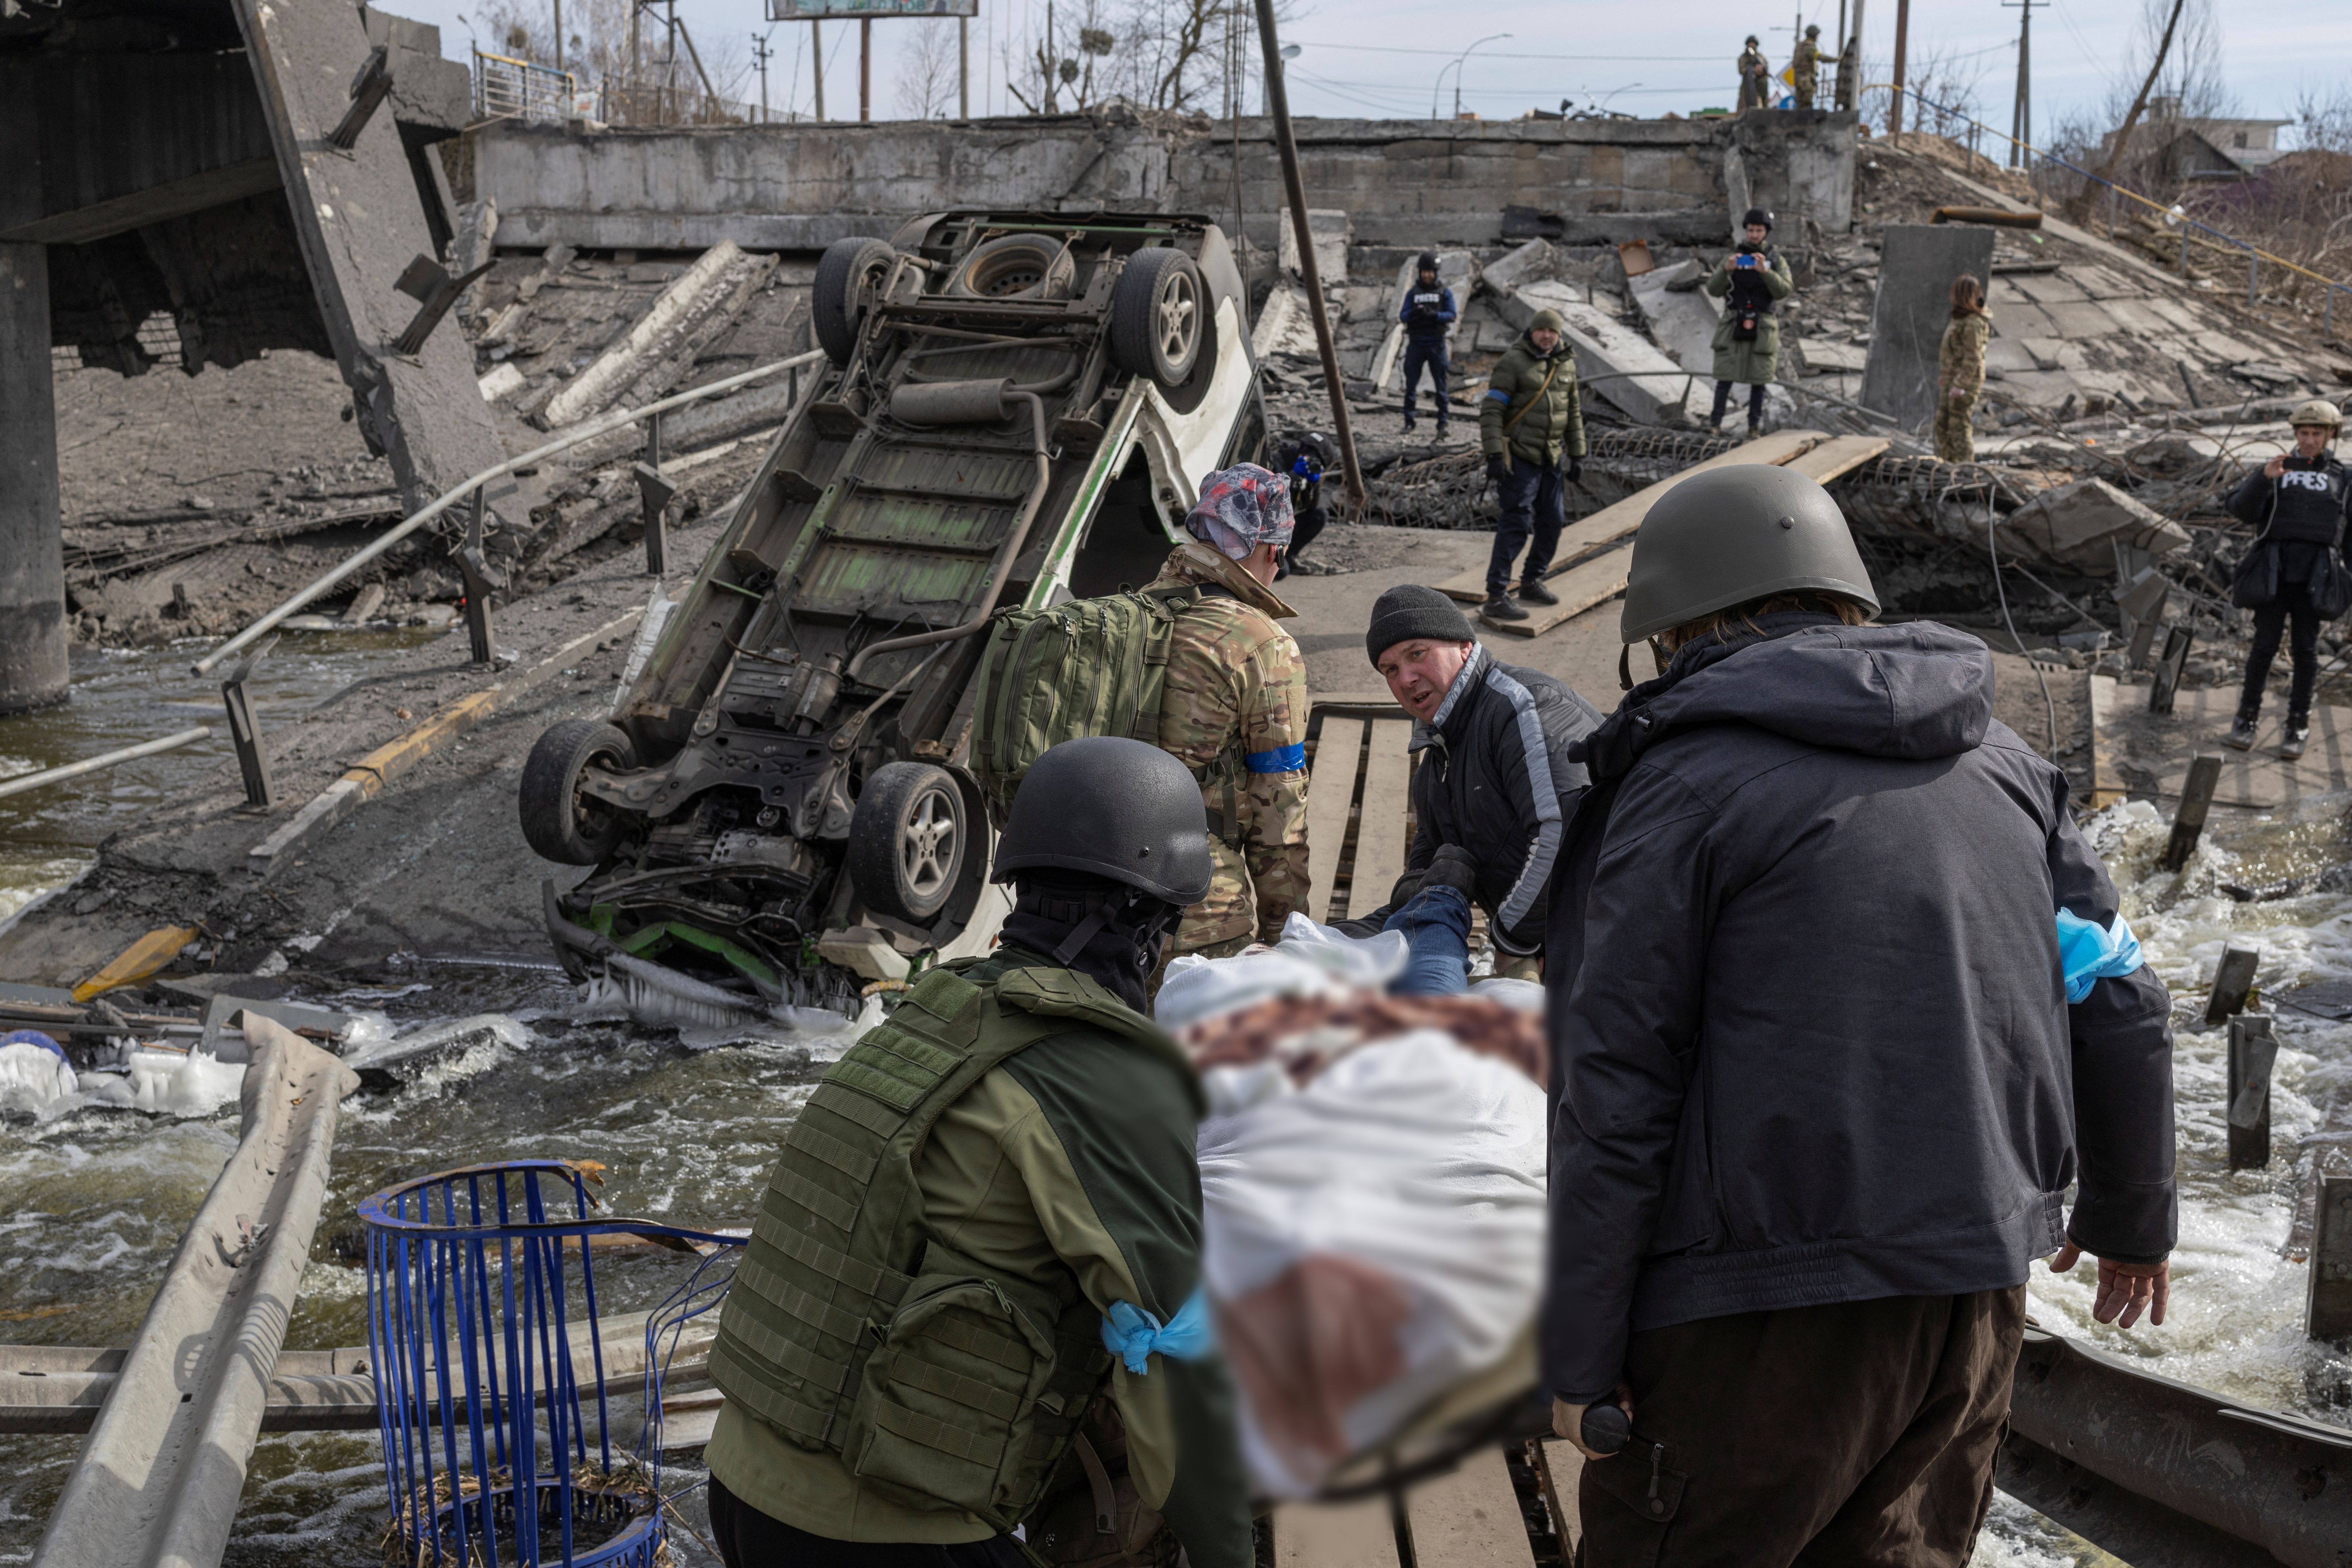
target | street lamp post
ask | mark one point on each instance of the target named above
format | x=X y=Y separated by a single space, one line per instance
x=1455 y=64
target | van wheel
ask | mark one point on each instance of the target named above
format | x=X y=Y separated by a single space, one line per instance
x=1159 y=314
x=838 y=303
x=558 y=822
x=908 y=840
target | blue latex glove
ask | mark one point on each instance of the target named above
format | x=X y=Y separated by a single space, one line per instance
x=1131 y=1333
x=2088 y=952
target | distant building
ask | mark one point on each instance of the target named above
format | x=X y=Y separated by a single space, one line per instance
x=2200 y=149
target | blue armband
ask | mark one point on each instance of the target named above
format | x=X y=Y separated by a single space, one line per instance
x=1131 y=1333
x=1497 y=392
x=1281 y=759
x=2089 y=952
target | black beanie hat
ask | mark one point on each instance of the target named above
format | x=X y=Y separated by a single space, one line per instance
x=1411 y=611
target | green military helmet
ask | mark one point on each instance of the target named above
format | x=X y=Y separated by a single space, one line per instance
x=2317 y=411
x=1109 y=806
x=1813 y=30
x=1549 y=318
x=1728 y=535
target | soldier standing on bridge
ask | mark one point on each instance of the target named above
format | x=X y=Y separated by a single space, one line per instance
x=1755 y=77
x=1805 y=67
x=1750 y=281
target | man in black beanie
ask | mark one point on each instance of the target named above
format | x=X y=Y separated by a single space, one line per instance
x=1491 y=795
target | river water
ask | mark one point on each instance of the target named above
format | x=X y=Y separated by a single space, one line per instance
x=92 y=1201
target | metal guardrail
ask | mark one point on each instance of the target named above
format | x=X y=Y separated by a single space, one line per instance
x=2172 y=216
x=157 y=1483
x=450 y=497
x=505 y=87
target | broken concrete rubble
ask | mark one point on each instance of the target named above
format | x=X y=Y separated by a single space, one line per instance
x=2081 y=524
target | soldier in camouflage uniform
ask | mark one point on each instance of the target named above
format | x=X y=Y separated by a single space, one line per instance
x=1960 y=370
x=1805 y=67
x=1235 y=710
x=1755 y=77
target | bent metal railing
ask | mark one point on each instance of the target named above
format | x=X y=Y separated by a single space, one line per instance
x=499 y=1445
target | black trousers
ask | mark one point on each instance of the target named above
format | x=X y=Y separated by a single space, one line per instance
x=1417 y=353
x=2293 y=604
x=746 y=1537
x=1722 y=401
x=1531 y=508
x=1857 y=1435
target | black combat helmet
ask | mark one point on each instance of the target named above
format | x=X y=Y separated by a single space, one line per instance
x=1757 y=215
x=1428 y=263
x=1108 y=806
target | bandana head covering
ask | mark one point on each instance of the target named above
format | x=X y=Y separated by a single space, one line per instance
x=1240 y=508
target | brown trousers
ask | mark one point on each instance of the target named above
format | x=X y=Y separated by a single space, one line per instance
x=1856 y=1435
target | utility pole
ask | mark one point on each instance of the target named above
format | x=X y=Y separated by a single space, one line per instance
x=1277 y=104
x=1902 y=46
x=559 y=40
x=1850 y=91
x=760 y=52
x=816 y=60
x=865 y=68
x=963 y=68
x=2020 y=115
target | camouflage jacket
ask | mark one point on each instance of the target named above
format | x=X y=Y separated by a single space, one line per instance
x=1235 y=710
x=1962 y=366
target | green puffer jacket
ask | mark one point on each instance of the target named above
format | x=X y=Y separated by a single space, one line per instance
x=914 y=1333
x=1749 y=364
x=1532 y=409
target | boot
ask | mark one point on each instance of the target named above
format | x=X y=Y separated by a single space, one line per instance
x=2297 y=736
x=1501 y=608
x=2241 y=737
x=1440 y=427
x=1533 y=591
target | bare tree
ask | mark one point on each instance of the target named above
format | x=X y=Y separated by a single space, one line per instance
x=2131 y=118
x=927 y=70
x=1940 y=92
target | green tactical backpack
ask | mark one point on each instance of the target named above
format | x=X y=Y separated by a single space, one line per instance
x=1086 y=666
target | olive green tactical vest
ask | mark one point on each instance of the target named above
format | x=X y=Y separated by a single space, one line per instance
x=941 y=1383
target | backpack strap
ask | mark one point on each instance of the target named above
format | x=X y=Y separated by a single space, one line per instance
x=1528 y=406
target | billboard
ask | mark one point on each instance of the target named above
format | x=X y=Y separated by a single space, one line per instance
x=826 y=10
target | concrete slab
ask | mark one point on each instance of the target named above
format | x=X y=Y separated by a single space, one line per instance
x=2081 y=318
x=359 y=222
x=2150 y=752
x=2134 y=316
x=2021 y=318
x=1683 y=320
x=1916 y=265
x=2081 y=523
x=1332 y=232
x=1822 y=357
x=2008 y=356
x=1630 y=373
x=2047 y=287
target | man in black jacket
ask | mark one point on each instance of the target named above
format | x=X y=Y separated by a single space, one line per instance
x=2298 y=504
x=1496 y=782
x=1841 y=1004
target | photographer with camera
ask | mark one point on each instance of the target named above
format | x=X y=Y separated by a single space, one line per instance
x=1752 y=279
x=1428 y=315
x=1305 y=456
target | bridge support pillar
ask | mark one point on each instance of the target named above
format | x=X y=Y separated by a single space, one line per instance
x=32 y=550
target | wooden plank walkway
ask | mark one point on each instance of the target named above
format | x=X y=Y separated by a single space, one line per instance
x=1468 y=1518
x=1620 y=519
x=1359 y=805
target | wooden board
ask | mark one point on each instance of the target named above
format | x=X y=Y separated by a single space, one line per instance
x=1835 y=459
x=2259 y=780
x=1330 y=789
x=1469 y=1519
x=1380 y=832
x=1345 y=1535
x=2107 y=783
x=1560 y=1469
x=1593 y=581
x=1619 y=519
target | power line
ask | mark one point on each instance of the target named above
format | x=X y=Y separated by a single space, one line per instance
x=1516 y=54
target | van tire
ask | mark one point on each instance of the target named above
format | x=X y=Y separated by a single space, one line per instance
x=557 y=822
x=908 y=837
x=843 y=274
x=1160 y=315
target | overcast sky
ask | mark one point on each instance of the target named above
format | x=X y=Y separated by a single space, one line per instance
x=1384 y=58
